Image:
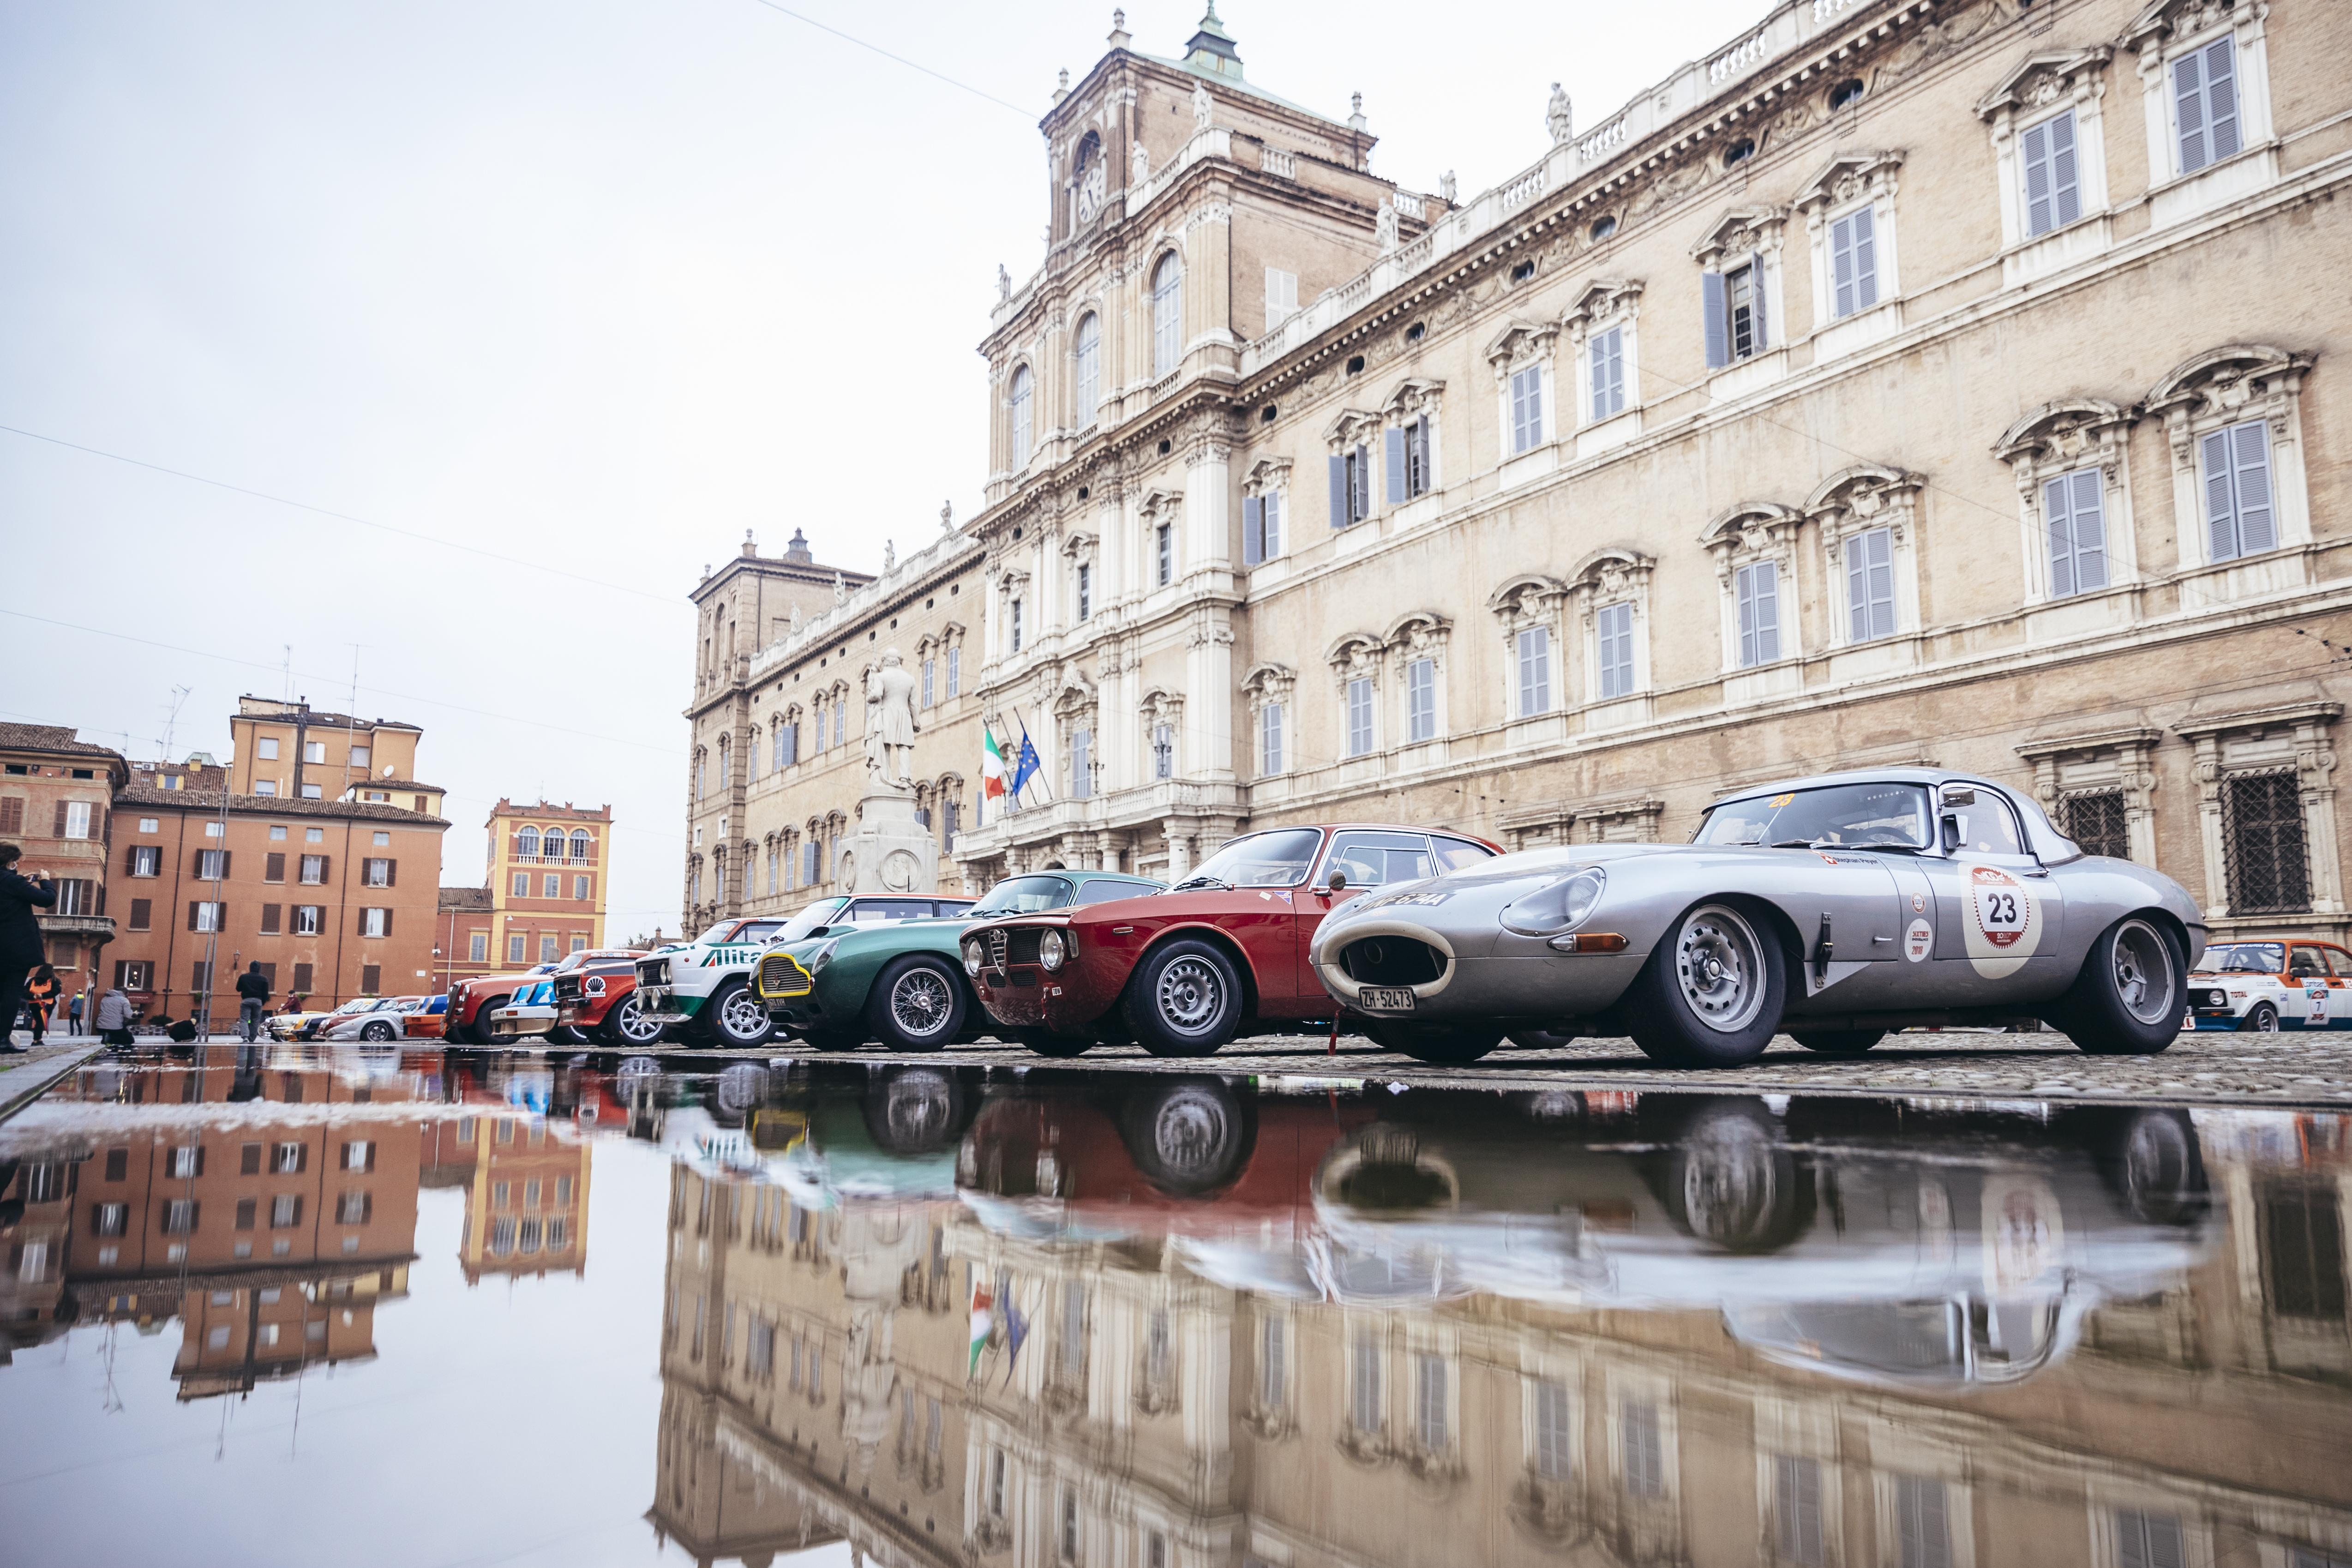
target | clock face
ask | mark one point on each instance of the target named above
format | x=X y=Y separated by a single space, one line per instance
x=1090 y=192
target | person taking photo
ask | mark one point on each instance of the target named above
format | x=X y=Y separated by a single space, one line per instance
x=20 y=936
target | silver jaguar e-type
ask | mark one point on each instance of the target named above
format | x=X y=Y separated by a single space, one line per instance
x=1836 y=907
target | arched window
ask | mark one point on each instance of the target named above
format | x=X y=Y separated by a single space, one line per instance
x=1087 y=352
x=582 y=847
x=751 y=759
x=1167 y=314
x=527 y=844
x=1020 y=429
x=725 y=775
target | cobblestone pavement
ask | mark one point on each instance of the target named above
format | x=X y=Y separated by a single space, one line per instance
x=2205 y=1067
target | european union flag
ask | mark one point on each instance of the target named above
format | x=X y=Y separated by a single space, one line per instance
x=1026 y=765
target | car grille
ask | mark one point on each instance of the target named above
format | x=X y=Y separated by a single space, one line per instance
x=567 y=988
x=653 y=971
x=1392 y=961
x=1010 y=945
x=780 y=975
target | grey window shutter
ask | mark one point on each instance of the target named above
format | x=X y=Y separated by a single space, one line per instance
x=1768 y=613
x=1420 y=445
x=1756 y=294
x=1857 y=591
x=2189 y=110
x=2222 y=98
x=1710 y=295
x=1362 y=490
x=2035 y=146
x=2220 y=516
x=1273 y=524
x=1252 y=530
x=1866 y=259
x=2250 y=456
x=1748 y=616
x=2056 y=516
x=1394 y=444
x=2065 y=186
x=2085 y=508
x=1338 y=491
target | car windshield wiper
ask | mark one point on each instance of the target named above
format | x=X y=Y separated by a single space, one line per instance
x=1792 y=844
x=1202 y=882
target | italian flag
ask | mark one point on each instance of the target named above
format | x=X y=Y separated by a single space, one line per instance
x=991 y=766
x=982 y=1299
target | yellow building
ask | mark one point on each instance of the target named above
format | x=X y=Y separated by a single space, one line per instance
x=543 y=897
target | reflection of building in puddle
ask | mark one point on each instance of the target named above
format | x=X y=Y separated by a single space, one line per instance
x=269 y=1209
x=526 y=1207
x=1423 y=1398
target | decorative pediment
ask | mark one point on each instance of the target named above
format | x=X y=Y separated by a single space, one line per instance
x=1851 y=178
x=1011 y=579
x=1266 y=475
x=1357 y=653
x=2043 y=77
x=2067 y=434
x=1529 y=596
x=2164 y=21
x=1077 y=698
x=1269 y=683
x=1414 y=397
x=1748 y=524
x=1158 y=506
x=1866 y=496
x=2239 y=375
x=1418 y=631
x=1519 y=342
x=1352 y=428
x=1604 y=300
x=1611 y=570
x=1079 y=545
x=1740 y=232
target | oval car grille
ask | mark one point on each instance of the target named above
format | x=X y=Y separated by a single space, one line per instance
x=780 y=975
x=1392 y=961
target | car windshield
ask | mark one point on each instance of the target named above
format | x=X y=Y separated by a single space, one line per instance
x=1847 y=817
x=1895 y=1337
x=809 y=919
x=360 y=1004
x=2248 y=958
x=1024 y=896
x=1277 y=859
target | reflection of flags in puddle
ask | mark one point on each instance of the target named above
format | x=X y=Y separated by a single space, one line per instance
x=983 y=1320
x=1016 y=1330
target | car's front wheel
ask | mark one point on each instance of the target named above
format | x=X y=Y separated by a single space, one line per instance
x=1837 y=1042
x=1711 y=994
x=626 y=1024
x=2262 y=1019
x=1445 y=1044
x=2127 y=1001
x=1184 y=1000
x=737 y=1019
x=485 y=1028
x=916 y=1004
x=376 y=1033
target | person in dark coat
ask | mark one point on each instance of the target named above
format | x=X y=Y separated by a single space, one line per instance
x=20 y=936
x=252 y=999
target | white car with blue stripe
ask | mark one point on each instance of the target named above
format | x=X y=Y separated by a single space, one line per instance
x=2266 y=986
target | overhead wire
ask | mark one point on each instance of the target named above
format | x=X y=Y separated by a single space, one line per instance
x=936 y=76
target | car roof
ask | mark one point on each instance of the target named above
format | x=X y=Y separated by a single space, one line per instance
x=2049 y=844
x=1371 y=827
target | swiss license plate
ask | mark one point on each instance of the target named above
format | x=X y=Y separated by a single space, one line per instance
x=1384 y=999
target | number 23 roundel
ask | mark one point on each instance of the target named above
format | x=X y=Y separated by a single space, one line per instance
x=2003 y=923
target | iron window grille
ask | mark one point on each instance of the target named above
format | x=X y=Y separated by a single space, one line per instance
x=2263 y=851
x=2095 y=819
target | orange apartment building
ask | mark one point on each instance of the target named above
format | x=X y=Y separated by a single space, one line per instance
x=286 y=750
x=333 y=897
x=527 y=1210
x=543 y=896
x=54 y=793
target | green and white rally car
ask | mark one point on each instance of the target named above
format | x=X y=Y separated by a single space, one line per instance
x=704 y=987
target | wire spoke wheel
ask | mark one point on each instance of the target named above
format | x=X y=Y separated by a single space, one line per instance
x=1719 y=967
x=1191 y=995
x=919 y=1002
x=2143 y=973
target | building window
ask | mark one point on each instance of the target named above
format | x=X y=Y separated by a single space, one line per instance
x=2145 y=1540
x=1431 y=1427
x=2073 y=509
x=1021 y=427
x=1613 y=629
x=1360 y=716
x=1549 y=1452
x=1167 y=315
x=1269 y=739
x=1733 y=300
x=1526 y=409
x=1085 y=604
x=1364 y=1383
x=1607 y=353
x=1163 y=554
x=212 y=865
x=1271 y=1378
x=1796 y=1508
x=1088 y=358
x=1870 y=585
x=1082 y=745
x=1421 y=699
x=375 y=922
x=550 y=886
x=930 y=695
x=547 y=954
x=1281 y=296
x=955 y=671
x=580 y=889
x=146 y=859
x=2239 y=517
x=2095 y=820
x=265 y=786
x=522 y=884
x=1352 y=486
x=376 y=873
x=265 y=748
x=2303 y=1254
x=1163 y=751
x=1261 y=528
x=313 y=792
x=207 y=917
x=1070 y=1541
x=1409 y=460
x=1759 y=588
x=314 y=750
x=1016 y=625
x=2054 y=192
x=1922 y=1530
x=314 y=870
x=2205 y=104
x=1642 y=1451
x=1853 y=263
x=809 y=852
x=478 y=947
x=359 y=756
x=840 y=724
x=2262 y=844
x=1534 y=645
x=516 y=951
x=307 y=919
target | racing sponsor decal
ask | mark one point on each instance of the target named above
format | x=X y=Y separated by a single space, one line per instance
x=2024 y=1236
x=1918 y=941
x=2314 y=996
x=2003 y=924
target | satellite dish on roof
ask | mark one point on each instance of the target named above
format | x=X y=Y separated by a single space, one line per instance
x=387 y=770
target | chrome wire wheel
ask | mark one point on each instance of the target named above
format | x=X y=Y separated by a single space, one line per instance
x=742 y=1016
x=1191 y=995
x=1719 y=967
x=920 y=1003
x=2142 y=966
x=918 y=1108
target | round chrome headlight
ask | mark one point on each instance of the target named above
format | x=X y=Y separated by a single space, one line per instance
x=1054 y=950
x=975 y=957
x=1562 y=906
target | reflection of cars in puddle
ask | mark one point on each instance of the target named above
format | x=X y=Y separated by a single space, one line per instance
x=1868 y=1241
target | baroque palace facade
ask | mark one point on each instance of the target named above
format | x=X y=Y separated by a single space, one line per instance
x=1939 y=379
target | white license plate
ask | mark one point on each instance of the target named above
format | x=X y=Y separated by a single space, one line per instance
x=1384 y=999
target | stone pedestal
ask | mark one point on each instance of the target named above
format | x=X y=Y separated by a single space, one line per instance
x=891 y=852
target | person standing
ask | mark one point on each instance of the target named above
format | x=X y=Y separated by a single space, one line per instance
x=114 y=1017
x=41 y=991
x=20 y=936
x=73 y=1011
x=252 y=1000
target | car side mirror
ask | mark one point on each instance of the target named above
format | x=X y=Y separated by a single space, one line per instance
x=1960 y=796
x=1338 y=880
x=1954 y=832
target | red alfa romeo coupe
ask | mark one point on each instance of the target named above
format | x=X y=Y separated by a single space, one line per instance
x=1223 y=952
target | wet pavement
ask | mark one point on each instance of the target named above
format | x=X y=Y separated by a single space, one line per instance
x=441 y=1308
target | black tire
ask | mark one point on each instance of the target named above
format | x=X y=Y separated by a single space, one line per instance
x=833 y=1039
x=1732 y=1180
x=1188 y=1136
x=916 y=1004
x=1047 y=1043
x=484 y=1035
x=2127 y=1001
x=2152 y=1161
x=916 y=1111
x=1712 y=992
x=2262 y=1019
x=375 y=1034
x=627 y=1025
x=735 y=1017
x=1445 y=1044
x=1184 y=999
x=1837 y=1042
x=1540 y=1039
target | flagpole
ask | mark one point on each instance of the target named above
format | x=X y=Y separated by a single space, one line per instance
x=1026 y=741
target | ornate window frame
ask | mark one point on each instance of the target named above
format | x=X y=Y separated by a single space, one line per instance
x=1008 y=585
x=1088 y=309
x=1521 y=345
x=1854 y=502
x=1355 y=433
x=2096 y=753
x=1747 y=236
x=1160 y=706
x=1851 y=182
x=2062 y=437
x=1080 y=548
x=1606 y=303
x=1416 y=397
x=1268 y=479
x=1020 y=408
x=1160 y=508
x=1417 y=635
x=1357 y=656
x=1749 y=534
x=2212 y=391
x=1523 y=602
x=1612 y=574
x=2160 y=36
x=2034 y=91
x=2263 y=730
x=1271 y=685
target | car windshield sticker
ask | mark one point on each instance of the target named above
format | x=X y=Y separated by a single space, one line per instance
x=2003 y=928
x=1918 y=940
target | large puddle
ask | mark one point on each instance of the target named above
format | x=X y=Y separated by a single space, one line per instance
x=411 y=1306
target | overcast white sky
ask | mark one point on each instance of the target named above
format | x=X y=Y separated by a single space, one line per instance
x=591 y=287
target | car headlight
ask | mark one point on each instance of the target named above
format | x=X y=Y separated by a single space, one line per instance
x=1057 y=948
x=823 y=955
x=975 y=957
x=1562 y=906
